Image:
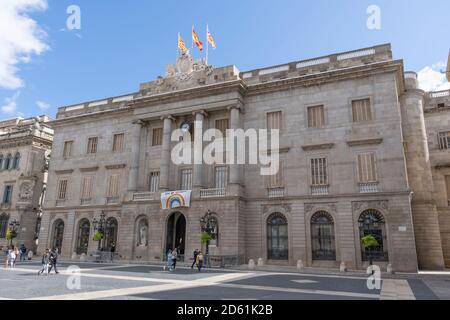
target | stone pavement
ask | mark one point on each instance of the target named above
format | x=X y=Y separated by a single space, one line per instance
x=129 y=281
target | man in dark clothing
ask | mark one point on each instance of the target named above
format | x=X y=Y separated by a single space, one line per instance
x=195 y=258
x=53 y=258
x=23 y=252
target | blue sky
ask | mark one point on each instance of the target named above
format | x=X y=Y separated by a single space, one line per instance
x=122 y=44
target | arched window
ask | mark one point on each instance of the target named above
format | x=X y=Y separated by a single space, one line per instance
x=16 y=161
x=214 y=231
x=84 y=229
x=277 y=237
x=1 y=162
x=322 y=236
x=110 y=237
x=7 y=164
x=142 y=232
x=4 y=219
x=371 y=222
x=58 y=235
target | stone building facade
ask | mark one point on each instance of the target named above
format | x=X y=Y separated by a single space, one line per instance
x=25 y=146
x=354 y=162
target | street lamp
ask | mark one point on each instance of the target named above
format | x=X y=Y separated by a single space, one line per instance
x=208 y=225
x=13 y=227
x=99 y=226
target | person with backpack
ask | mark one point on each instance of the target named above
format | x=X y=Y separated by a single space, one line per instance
x=195 y=254
x=45 y=261
x=200 y=261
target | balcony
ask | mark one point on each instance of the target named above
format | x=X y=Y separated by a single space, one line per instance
x=319 y=190
x=112 y=200
x=275 y=192
x=211 y=193
x=144 y=196
x=368 y=187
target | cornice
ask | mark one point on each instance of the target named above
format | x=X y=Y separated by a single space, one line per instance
x=115 y=166
x=89 y=169
x=363 y=142
x=322 y=146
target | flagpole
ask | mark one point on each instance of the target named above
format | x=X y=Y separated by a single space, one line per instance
x=192 y=42
x=207 y=43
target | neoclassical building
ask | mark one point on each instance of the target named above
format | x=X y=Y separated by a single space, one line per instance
x=363 y=151
x=25 y=146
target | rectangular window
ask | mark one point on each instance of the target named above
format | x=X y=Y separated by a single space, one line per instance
x=366 y=167
x=7 y=195
x=276 y=180
x=113 y=186
x=220 y=177
x=274 y=120
x=157 y=137
x=62 y=189
x=154 y=181
x=361 y=110
x=92 y=145
x=118 y=142
x=319 y=175
x=444 y=140
x=316 y=117
x=222 y=126
x=186 y=179
x=67 y=149
x=86 y=188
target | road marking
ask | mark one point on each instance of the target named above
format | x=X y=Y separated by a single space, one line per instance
x=394 y=289
x=305 y=281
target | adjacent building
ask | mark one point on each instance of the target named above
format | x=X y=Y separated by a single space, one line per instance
x=363 y=152
x=25 y=146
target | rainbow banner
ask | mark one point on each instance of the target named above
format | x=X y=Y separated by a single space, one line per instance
x=175 y=199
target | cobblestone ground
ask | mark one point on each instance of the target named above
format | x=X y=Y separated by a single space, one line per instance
x=114 y=281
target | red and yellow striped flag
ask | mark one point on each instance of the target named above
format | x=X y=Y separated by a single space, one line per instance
x=211 y=40
x=181 y=44
x=196 y=40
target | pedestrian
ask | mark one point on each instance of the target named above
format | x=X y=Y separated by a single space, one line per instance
x=169 y=260
x=30 y=254
x=45 y=262
x=16 y=255
x=13 y=253
x=200 y=261
x=53 y=258
x=174 y=258
x=113 y=250
x=195 y=253
x=23 y=252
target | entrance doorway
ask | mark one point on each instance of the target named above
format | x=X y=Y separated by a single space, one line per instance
x=176 y=233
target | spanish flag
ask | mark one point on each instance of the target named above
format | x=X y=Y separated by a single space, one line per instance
x=210 y=38
x=196 y=40
x=181 y=44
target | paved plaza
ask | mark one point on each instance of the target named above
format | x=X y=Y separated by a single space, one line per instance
x=91 y=281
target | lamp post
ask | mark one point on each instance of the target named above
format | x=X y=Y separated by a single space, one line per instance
x=99 y=226
x=13 y=227
x=208 y=226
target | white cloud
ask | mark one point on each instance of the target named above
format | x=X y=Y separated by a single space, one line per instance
x=10 y=104
x=20 y=38
x=432 y=79
x=42 y=105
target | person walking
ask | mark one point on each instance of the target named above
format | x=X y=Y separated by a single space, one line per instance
x=200 y=261
x=169 y=260
x=53 y=258
x=30 y=254
x=45 y=261
x=195 y=254
x=174 y=258
x=113 y=250
x=13 y=257
x=23 y=252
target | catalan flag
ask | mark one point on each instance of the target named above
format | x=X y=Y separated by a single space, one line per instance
x=210 y=38
x=196 y=40
x=181 y=44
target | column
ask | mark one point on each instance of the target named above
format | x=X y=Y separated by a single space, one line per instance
x=165 y=154
x=198 y=181
x=235 y=123
x=135 y=155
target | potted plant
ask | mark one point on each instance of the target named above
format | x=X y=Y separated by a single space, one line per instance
x=9 y=235
x=98 y=236
x=369 y=242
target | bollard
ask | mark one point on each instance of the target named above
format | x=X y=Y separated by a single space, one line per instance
x=389 y=269
x=251 y=264
x=83 y=257
x=260 y=262
x=343 y=268
x=74 y=256
x=299 y=265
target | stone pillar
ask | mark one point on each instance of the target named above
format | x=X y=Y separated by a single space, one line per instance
x=424 y=211
x=199 y=167
x=165 y=154
x=235 y=123
x=135 y=155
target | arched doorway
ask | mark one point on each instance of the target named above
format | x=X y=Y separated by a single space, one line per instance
x=58 y=235
x=371 y=222
x=110 y=237
x=322 y=236
x=84 y=230
x=176 y=232
x=277 y=237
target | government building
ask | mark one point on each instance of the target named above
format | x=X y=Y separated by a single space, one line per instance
x=25 y=146
x=363 y=151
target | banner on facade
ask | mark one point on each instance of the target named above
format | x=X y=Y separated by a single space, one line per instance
x=175 y=199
